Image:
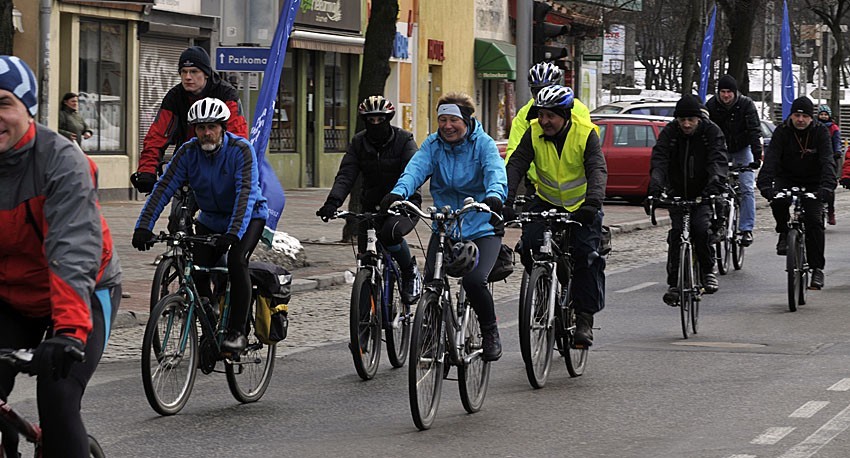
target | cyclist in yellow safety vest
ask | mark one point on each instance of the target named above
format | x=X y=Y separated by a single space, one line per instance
x=563 y=145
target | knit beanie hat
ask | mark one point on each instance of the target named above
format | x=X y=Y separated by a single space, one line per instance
x=196 y=56
x=727 y=82
x=688 y=106
x=17 y=78
x=803 y=105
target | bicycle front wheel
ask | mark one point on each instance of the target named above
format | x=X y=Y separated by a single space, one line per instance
x=536 y=333
x=793 y=269
x=723 y=252
x=365 y=325
x=397 y=330
x=803 y=268
x=575 y=358
x=686 y=287
x=737 y=246
x=474 y=373
x=169 y=355
x=427 y=347
x=95 y=451
x=166 y=280
x=249 y=377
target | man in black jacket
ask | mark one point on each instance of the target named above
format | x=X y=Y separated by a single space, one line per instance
x=689 y=160
x=800 y=155
x=737 y=117
x=380 y=154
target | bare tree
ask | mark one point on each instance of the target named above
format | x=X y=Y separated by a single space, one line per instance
x=690 y=51
x=660 y=42
x=7 y=30
x=740 y=17
x=832 y=12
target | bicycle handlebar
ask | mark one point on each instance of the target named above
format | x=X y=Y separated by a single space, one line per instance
x=445 y=213
x=675 y=201
x=20 y=359
x=795 y=191
x=181 y=237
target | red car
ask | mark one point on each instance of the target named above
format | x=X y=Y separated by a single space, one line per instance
x=627 y=142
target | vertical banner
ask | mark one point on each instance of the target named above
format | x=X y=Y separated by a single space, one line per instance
x=705 y=57
x=787 y=74
x=260 y=131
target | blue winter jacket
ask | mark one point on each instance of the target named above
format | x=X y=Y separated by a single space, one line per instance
x=471 y=168
x=226 y=186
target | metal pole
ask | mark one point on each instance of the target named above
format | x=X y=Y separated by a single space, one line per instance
x=523 y=49
x=44 y=62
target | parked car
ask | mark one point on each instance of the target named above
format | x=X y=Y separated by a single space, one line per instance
x=767 y=128
x=627 y=142
x=654 y=107
x=503 y=146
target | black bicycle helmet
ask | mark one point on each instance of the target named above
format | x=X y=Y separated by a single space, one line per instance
x=461 y=259
x=376 y=105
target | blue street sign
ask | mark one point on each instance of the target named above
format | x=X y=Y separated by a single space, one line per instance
x=242 y=59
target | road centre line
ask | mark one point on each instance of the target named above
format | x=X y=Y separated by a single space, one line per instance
x=841 y=385
x=741 y=456
x=772 y=435
x=810 y=445
x=808 y=409
x=643 y=285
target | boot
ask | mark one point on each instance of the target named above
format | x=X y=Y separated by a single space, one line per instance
x=234 y=342
x=491 y=343
x=709 y=283
x=817 y=278
x=746 y=238
x=830 y=217
x=411 y=283
x=583 y=337
x=671 y=297
x=782 y=244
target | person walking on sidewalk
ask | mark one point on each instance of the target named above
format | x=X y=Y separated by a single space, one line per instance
x=223 y=172
x=564 y=147
x=462 y=161
x=379 y=155
x=71 y=123
x=689 y=161
x=800 y=155
x=737 y=117
x=825 y=116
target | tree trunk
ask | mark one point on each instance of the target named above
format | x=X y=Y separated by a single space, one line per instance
x=7 y=30
x=834 y=79
x=690 y=50
x=380 y=34
x=740 y=18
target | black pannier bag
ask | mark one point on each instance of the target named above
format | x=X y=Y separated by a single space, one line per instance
x=274 y=290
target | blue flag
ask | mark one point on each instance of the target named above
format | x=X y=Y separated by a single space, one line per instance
x=787 y=75
x=260 y=131
x=705 y=61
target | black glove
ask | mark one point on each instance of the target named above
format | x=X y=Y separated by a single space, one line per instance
x=654 y=190
x=223 y=241
x=54 y=356
x=845 y=182
x=143 y=181
x=326 y=212
x=767 y=192
x=388 y=200
x=586 y=214
x=508 y=212
x=142 y=239
x=495 y=205
x=755 y=164
x=825 y=194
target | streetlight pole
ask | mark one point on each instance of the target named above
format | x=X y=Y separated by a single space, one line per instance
x=523 y=49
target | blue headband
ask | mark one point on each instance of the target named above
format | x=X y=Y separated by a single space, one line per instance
x=17 y=78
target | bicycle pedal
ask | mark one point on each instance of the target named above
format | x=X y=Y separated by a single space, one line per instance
x=813 y=288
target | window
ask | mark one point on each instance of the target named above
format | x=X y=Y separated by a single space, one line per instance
x=633 y=135
x=282 y=138
x=102 y=84
x=602 y=128
x=336 y=102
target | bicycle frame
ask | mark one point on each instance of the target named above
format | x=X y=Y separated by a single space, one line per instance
x=551 y=252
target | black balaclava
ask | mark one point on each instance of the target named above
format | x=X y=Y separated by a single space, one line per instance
x=379 y=134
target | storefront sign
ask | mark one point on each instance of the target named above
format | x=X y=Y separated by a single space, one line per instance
x=400 y=47
x=435 y=50
x=179 y=6
x=241 y=59
x=330 y=14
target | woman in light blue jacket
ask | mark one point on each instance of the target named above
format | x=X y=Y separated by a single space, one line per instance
x=463 y=161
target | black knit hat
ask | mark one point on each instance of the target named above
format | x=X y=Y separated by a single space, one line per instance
x=195 y=56
x=688 y=106
x=727 y=82
x=803 y=105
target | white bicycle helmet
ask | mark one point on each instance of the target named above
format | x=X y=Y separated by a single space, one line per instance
x=376 y=105
x=208 y=110
x=544 y=74
x=554 y=96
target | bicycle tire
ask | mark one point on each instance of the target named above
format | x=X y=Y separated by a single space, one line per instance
x=159 y=365
x=791 y=269
x=723 y=251
x=737 y=247
x=95 y=450
x=165 y=275
x=802 y=263
x=695 y=294
x=686 y=285
x=365 y=325
x=425 y=371
x=574 y=358
x=536 y=334
x=473 y=377
x=397 y=329
x=250 y=377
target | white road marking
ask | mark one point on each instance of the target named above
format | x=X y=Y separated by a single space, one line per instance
x=637 y=287
x=837 y=425
x=772 y=435
x=808 y=409
x=841 y=385
x=742 y=456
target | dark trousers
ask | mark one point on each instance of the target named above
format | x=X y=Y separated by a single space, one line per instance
x=64 y=434
x=391 y=232
x=237 y=270
x=475 y=282
x=812 y=218
x=700 y=240
x=588 y=286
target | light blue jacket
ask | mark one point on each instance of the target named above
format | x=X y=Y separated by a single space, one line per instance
x=471 y=168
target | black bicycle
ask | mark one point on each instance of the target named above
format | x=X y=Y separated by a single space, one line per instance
x=375 y=304
x=729 y=246
x=167 y=277
x=796 y=264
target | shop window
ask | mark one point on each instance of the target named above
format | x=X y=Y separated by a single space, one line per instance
x=336 y=102
x=282 y=137
x=102 y=84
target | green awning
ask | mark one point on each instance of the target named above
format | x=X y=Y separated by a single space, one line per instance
x=495 y=59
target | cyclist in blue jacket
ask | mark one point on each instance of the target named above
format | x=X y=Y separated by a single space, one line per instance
x=463 y=161
x=222 y=169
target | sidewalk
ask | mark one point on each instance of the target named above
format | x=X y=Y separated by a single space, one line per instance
x=328 y=258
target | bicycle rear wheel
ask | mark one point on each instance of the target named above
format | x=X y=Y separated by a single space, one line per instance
x=737 y=247
x=397 y=329
x=473 y=375
x=169 y=367
x=686 y=287
x=425 y=372
x=793 y=269
x=249 y=377
x=536 y=334
x=365 y=325
x=95 y=451
x=166 y=280
x=802 y=263
x=696 y=294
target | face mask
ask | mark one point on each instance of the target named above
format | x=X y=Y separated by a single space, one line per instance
x=378 y=133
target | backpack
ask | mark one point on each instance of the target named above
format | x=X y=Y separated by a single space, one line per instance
x=504 y=265
x=273 y=291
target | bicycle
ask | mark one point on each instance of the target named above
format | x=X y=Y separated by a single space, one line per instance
x=375 y=304
x=432 y=345
x=730 y=246
x=172 y=352
x=796 y=263
x=689 y=275
x=543 y=325
x=167 y=276
x=21 y=360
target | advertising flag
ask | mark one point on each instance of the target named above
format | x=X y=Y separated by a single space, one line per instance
x=787 y=74
x=705 y=60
